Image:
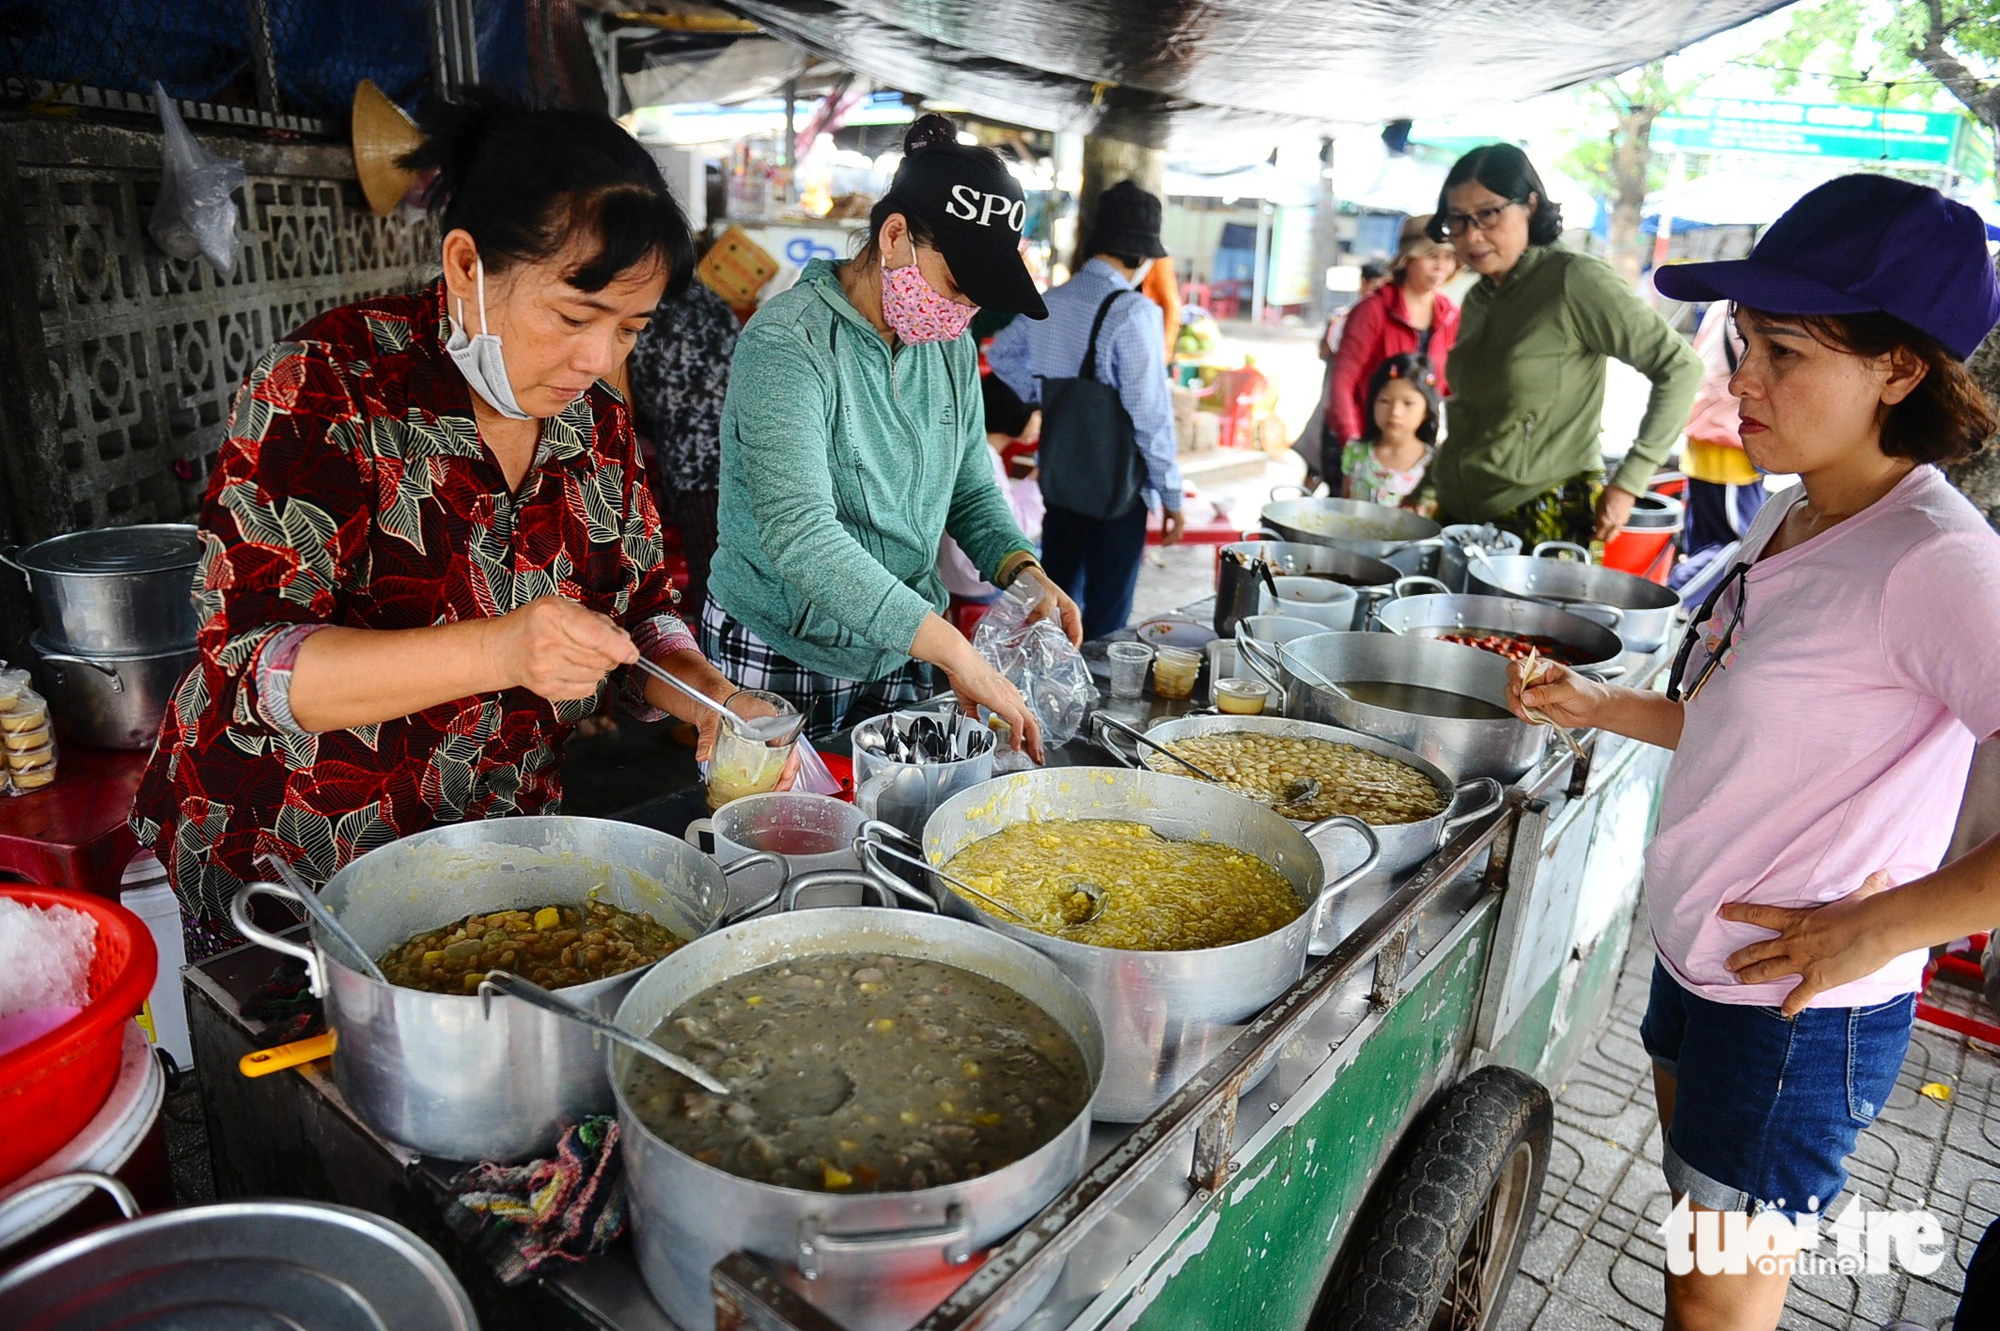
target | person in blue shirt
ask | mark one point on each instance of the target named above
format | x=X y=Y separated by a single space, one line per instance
x=1096 y=561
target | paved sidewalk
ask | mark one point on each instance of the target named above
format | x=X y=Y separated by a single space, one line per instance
x=1593 y=1262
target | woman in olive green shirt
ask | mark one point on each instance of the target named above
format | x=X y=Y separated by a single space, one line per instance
x=1527 y=373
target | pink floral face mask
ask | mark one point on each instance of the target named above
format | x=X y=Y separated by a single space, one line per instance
x=914 y=310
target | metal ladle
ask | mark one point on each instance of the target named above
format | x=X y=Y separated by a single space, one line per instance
x=513 y=986
x=1090 y=891
x=321 y=916
x=771 y=731
x=1303 y=790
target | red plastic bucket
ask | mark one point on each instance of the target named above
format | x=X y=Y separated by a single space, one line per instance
x=1647 y=544
x=53 y=1085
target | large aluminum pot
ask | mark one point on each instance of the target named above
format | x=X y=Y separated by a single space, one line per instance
x=1592 y=648
x=114 y=591
x=1502 y=748
x=872 y=1261
x=1373 y=580
x=305 y=1265
x=440 y=1073
x=1403 y=845
x=110 y=702
x=1165 y=1013
x=1398 y=536
x=1640 y=611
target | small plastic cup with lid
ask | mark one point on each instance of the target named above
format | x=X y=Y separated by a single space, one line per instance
x=1240 y=697
x=1128 y=668
x=1174 y=671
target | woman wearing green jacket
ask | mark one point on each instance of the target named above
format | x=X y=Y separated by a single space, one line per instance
x=1521 y=448
x=853 y=438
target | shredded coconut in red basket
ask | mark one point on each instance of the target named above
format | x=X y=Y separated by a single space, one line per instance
x=45 y=956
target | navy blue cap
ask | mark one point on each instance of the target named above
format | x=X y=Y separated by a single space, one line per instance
x=1859 y=244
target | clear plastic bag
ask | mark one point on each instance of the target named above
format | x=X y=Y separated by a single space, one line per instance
x=1038 y=660
x=194 y=214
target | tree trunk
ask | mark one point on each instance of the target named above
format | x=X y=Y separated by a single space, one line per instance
x=1106 y=162
x=1631 y=156
x=1979 y=475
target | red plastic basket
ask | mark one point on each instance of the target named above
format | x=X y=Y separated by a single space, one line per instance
x=51 y=1086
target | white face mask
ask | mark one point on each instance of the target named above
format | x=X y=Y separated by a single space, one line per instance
x=1139 y=273
x=479 y=359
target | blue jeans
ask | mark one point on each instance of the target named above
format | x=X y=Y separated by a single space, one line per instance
x=1767 y=1107
x=1097 y=562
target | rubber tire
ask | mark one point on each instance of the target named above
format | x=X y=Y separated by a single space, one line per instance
x=1409 y=1251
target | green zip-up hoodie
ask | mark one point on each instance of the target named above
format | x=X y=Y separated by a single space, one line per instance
x=1527 y=383
x=842 y=466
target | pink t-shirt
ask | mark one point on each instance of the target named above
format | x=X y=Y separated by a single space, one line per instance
x=1834 y=742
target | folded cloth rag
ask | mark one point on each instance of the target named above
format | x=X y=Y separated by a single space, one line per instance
x=523 y=1219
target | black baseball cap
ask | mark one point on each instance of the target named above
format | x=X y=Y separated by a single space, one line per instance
x=1858 y=244
x=975 y=211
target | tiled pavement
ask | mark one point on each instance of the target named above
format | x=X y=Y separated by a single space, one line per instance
x=1593 y=1262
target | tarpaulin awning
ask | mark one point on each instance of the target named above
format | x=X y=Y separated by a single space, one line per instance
x=1159 y=71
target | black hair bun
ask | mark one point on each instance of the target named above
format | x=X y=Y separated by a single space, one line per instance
x=929 y=131
x=454 y=132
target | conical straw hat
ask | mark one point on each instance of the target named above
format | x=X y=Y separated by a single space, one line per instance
x=382 y=133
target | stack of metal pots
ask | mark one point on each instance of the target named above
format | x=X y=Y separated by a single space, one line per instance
x=117 y=627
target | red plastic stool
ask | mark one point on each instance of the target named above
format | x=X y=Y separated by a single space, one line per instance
x=1962 y=965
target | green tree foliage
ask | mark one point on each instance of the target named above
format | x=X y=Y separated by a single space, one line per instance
x=1621 y=164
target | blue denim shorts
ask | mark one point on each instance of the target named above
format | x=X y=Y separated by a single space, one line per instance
x=1767 y=1107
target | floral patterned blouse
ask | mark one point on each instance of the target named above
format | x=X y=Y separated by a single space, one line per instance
x=1372 y=482
x=353 y=489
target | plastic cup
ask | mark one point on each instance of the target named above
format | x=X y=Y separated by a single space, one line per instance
x=1240 y=697
x=1174 y=672
x=1128 y=668
x=740 y=765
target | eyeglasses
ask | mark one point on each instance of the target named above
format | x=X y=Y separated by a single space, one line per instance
x=1458 y=224
x=1718 y=645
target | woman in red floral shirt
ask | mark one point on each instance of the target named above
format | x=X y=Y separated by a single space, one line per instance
x=428 y=545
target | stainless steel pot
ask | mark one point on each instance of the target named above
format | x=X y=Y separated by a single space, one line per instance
x=305 y=1265
x=1403 y=845
x=443 y=1073
x=1639 y=611
x=1398 y=536
x=871 y=1261
x=1592 y=648
x=1499 y=748
x=114 y=591
x=110 y=702
x=1373 y=580
x=1165 y=1013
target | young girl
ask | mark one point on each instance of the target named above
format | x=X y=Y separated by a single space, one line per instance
x=1386 y=464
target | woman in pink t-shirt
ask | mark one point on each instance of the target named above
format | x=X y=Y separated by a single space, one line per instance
x=1822 y=712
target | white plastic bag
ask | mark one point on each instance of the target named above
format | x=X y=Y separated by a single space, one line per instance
x=1039 y=660
x=194 y=214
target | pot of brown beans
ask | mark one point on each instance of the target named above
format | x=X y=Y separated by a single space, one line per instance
x=1208 y=901
x=1413 y=805
x=905 y=1091
x=580 y=905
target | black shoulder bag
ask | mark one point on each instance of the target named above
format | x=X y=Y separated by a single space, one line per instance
x=1089 y=458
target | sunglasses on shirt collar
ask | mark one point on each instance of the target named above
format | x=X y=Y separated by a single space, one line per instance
x=1717 y=645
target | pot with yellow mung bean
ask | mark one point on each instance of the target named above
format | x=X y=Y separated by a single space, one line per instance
x=1209 y=901
x=1413 y=804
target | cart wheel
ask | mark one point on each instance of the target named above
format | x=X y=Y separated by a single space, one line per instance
x=1441 y=1251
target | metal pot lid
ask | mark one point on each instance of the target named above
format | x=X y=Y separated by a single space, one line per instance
x=288 y=1266
x=151 y=548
